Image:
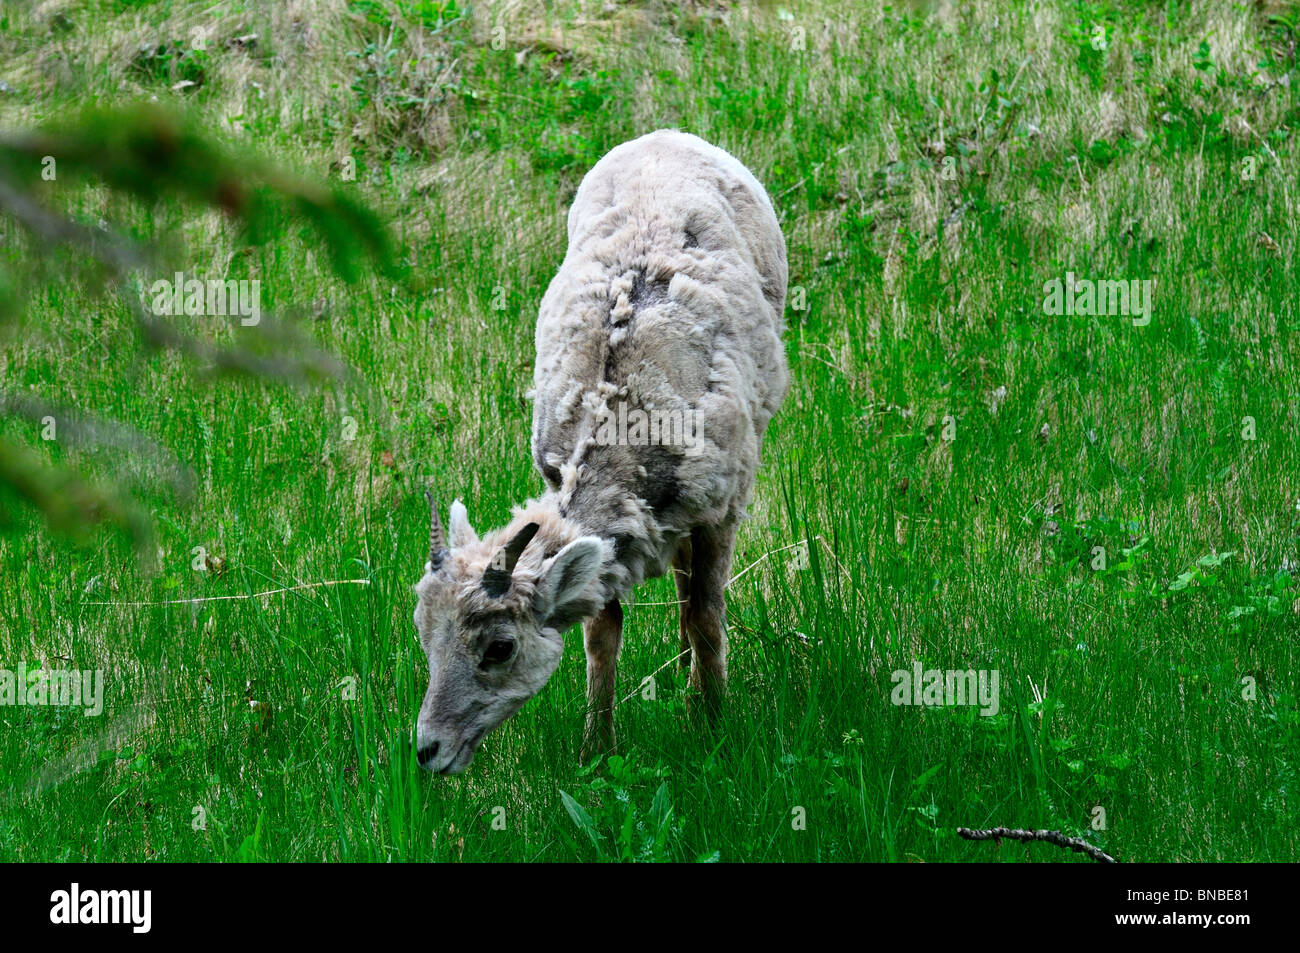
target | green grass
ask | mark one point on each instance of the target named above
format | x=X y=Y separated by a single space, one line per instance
x=1122 y=686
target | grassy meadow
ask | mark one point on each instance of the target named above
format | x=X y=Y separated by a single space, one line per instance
x=1104 y=509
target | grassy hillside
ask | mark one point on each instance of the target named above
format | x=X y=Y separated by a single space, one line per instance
x=1103 y=509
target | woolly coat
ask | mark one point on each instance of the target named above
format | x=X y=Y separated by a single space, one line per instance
x=670 y=298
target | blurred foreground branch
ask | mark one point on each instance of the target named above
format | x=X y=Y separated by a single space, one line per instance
x=151 y=155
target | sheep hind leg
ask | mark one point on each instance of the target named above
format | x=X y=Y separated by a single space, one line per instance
x=602 y=637
x=711 y=552
x=682 y=578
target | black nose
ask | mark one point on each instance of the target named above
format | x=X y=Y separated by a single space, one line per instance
x=427 y=753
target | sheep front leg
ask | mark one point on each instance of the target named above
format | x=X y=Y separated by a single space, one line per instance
x=711 y=551
x=602 y=636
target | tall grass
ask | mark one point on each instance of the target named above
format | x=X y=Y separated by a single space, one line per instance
x=955 y=457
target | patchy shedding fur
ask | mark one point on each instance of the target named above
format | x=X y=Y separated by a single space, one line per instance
x=670 y=298
x=668 y=306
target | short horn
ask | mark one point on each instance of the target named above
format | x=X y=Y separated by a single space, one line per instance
x=496 y=581
x=437 y=538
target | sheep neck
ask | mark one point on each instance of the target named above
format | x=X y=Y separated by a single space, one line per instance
x=635 y=541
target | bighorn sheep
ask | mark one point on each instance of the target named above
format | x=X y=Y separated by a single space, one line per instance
x=659 y=366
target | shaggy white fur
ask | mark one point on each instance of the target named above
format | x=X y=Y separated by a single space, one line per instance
x=670 y=298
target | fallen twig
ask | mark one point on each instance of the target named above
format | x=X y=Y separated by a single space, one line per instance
x=1051 y=837
x=253 y=595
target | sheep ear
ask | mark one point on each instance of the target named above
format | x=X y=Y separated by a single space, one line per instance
x=462 y=534
x=565 y=593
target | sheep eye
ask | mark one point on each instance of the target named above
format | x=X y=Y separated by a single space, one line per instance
x=500 y=650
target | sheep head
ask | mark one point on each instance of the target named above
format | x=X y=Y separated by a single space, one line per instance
x=490 y=615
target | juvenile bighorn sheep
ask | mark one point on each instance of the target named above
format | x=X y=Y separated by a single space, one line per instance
x=659 y=366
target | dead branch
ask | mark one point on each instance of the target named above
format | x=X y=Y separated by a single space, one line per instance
x=1051 y=837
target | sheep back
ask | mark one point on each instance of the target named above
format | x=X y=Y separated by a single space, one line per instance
x=670 y=298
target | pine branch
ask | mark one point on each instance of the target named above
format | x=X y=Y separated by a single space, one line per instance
x=153 y=155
